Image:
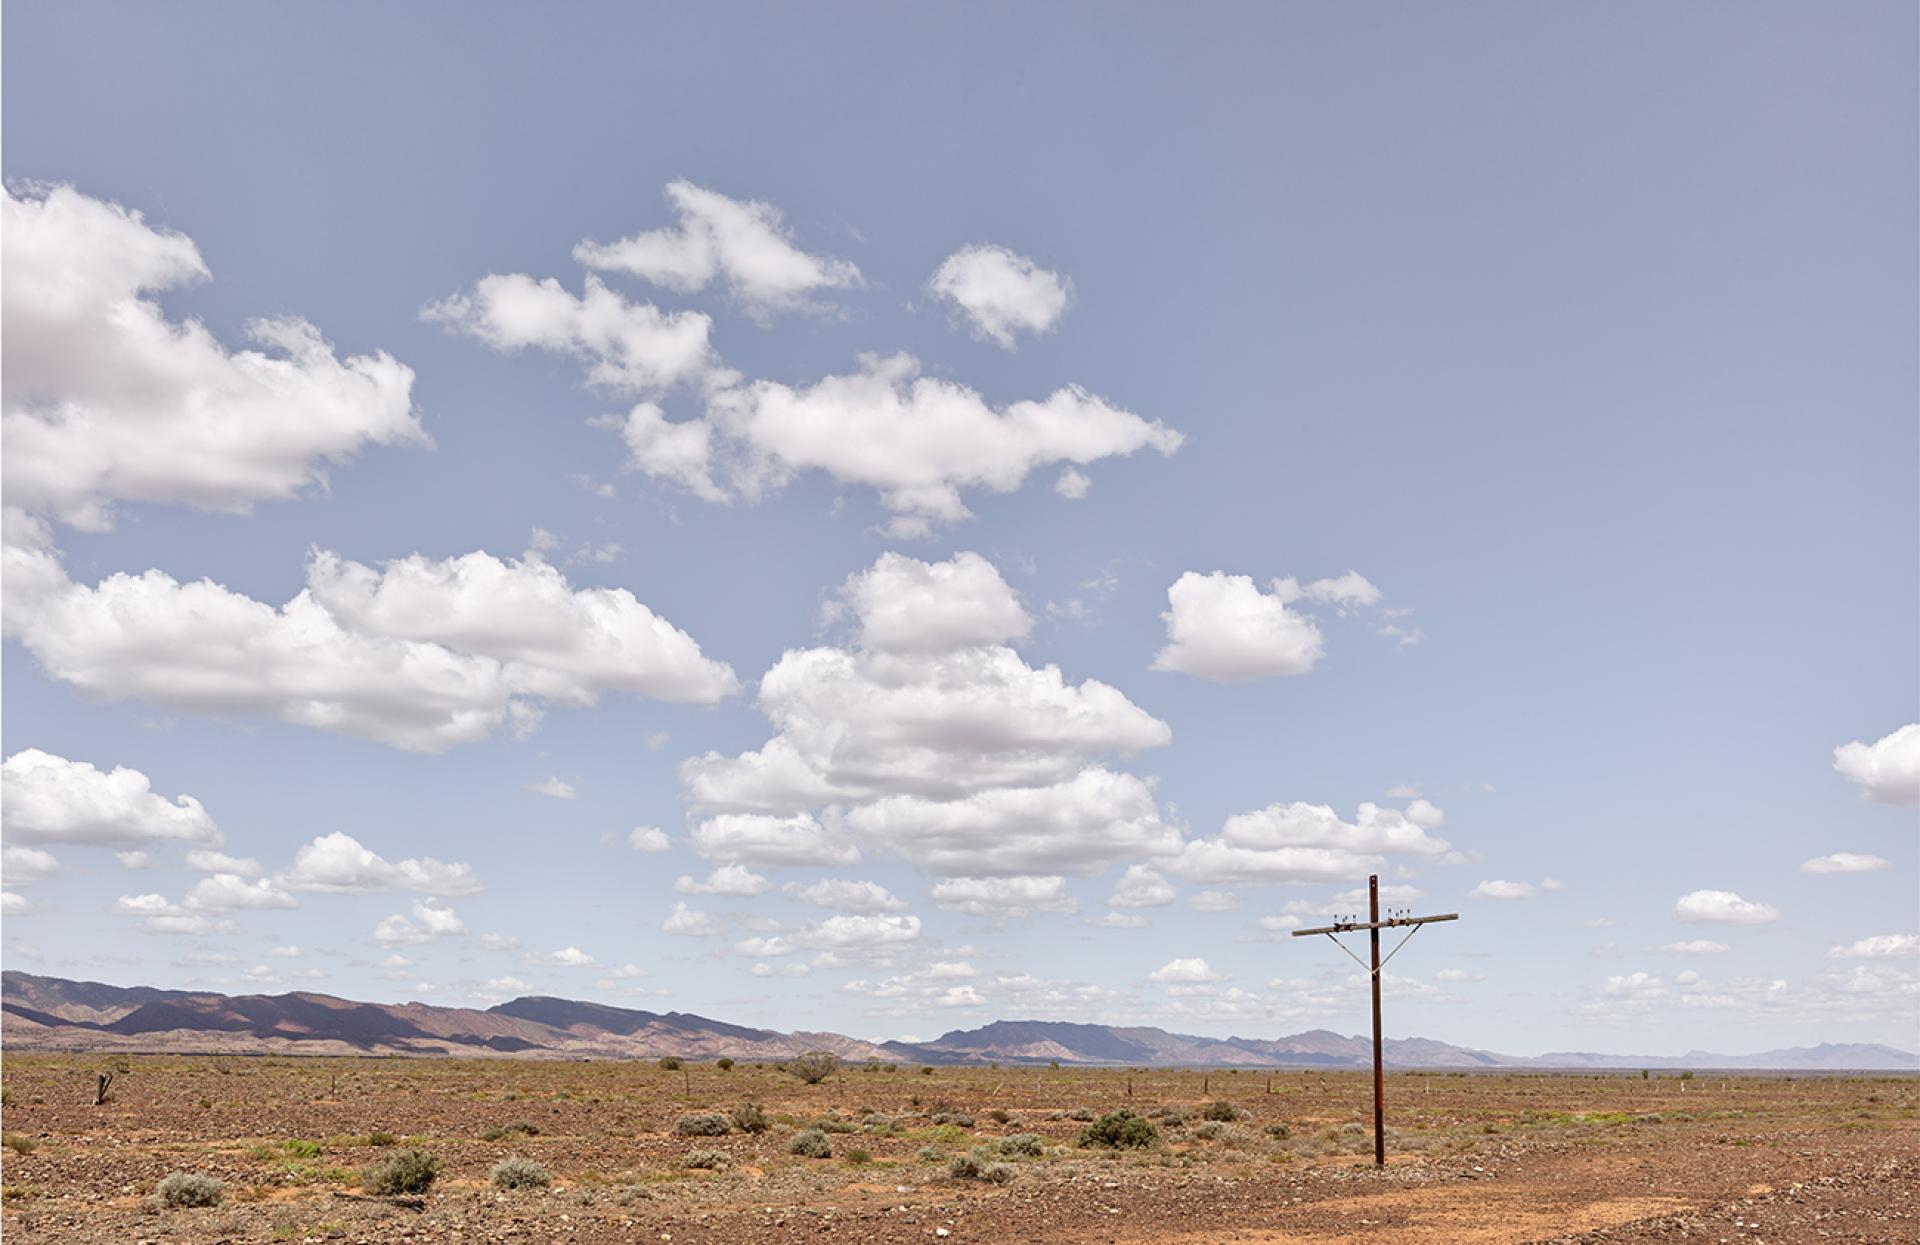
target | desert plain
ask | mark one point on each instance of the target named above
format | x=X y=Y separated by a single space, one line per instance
x=1473 y=1157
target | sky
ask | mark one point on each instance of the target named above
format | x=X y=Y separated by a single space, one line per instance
x=883 y=520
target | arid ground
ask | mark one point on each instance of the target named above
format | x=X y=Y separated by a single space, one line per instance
x=1475 y=1158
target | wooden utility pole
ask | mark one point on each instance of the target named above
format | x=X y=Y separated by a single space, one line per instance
x=1373 y=925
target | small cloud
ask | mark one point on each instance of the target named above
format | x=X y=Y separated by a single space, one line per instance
x=648 y=839
x=554 y=787
x=1696 y=946
x=1722 y=908
x=1190 y=971
x=1845 y=862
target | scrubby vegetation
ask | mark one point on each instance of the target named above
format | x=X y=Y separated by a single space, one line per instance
x=708 y=1160
x=749 y=1118
x=1120 y=1130
x=703 y=1124
x=815 y=1066
x=408 y=1171
x=810 y=1143
x=190 y=1189
x=518 y=1173
x=1022 y=1145
x=1223 y=1112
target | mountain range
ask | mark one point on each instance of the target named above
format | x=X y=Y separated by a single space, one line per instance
x=54 y=1014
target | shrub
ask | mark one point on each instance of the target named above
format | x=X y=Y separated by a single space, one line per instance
x=998 y=1115
x=507 y=1132
x=708 y=1160
x=514 y=1173
x=926 y=1070
x=833 y=1124
x=996 y=1173
x=1279 y=1132
x=408 y=1171
x=1022 y=1145
x=190 y=1189
x=1209 y=1130
x=930 y=1154
x=815 y=1066
x=724 y=1064
x=20 y=1144
x=1119 y=1130
x=810 y=1143
x=749 y=1118
x=295 y=1148
x=965 y=1167
x=382 y=1139
x=1083 y=1114
x=704 y=1124
x=859 y=1158
x=1224 y=1112
x=959 y=1119
x=670 y=1063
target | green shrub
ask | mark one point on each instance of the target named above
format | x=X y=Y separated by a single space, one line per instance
x=382 y=1139
x=295 y=1148
x=996 y=1173
x=998 y=1115
x=516 y=1173
x=1022 y=1145
x=1083 y=1114
x=810 y=1143
x=20 y=1144
x=815 y=1066
x=704 y=1124
x=965 y=1167
x=930 y=1154
x=1209 y=1130
x=724 y=1064
x=1120 y=1130
x=1224 y=1112
x=190 y=1189
x=408 y=1171
x=670 y=1063
x=1279 y=1132
x=708 y=1160
x=749 y=1118
x=859 y=1158
x=959 y=1119
x=507 y=1132
x=833 y=1124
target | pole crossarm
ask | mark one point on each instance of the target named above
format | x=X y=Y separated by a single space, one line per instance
x=1344 y=927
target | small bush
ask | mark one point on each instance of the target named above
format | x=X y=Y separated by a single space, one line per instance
x=190 y=1189
x=996 y=1173
x=749 y=1118
x=1119 y=1130
x=998 y=1115
x=704 y=1124
x=708 y=1160
x=409 y=1171
x=959 y=1119
x=815 y=1066
x=810 y=1143
x=1022 y=1145
x=515 y=1173
x=1083 y=1114
x=20 y=1144
x=507 y=1132
x=1223 y=1112
x=382 y=1139
x=926 y=1070
x=1279 y=1132
x=833 y=1124
x=1209 y=1130
x=930 y=1154
x=965 y=1167
x=859 y=1158
x=671 y=1063
x=724 y=1064
x=295 y=1148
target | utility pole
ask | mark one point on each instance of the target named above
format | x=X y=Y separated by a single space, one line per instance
x=1373 y=925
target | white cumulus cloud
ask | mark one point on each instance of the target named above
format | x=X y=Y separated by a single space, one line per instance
x=107 y=400
x=50 y=799
x=1001 y=294
x=1887 y=771
x=1722 y=908
x=1002 y=897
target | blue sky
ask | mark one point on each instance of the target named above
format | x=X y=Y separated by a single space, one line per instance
x=1584 y=339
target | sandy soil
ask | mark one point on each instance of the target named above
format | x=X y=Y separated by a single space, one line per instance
x=1479 y=1159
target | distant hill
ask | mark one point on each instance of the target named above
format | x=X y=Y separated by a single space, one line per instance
x=51 y=1013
